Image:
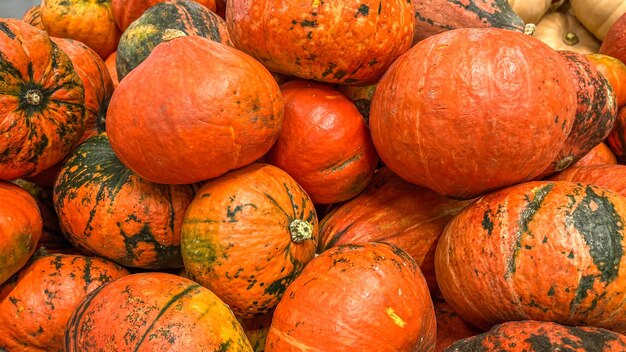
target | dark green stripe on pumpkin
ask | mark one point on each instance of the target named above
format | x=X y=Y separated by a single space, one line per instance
x=4 y=28
x=501 y=16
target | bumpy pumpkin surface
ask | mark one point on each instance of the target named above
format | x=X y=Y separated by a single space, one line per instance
x=369 y=297
x=330 y=41
x=21 y=227
x=41 y=101
x=573 y=231
x=127 y=11
x=156 y=24
x=610 y=176
x=212 y=109
x=45 y=293
x=394 y=211
x=154 y=312
x=106 y=208
x=535 y=336
x=599 y=155
x=324 y=143
x=247 y=235
x=459 y=102
x=450 y=327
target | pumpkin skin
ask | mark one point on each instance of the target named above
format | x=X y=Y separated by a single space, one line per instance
x=167 y=313
x=615 y=40
x=600 y=155
x=32 y=16
x=88 y=21
x=249 y=273
x=450 y=327
x=562 y=31
x=110 y=63
x=46 y=292
x=39 y=84
x=21 y=227
x=574 y=231
x=361 y=97
x=535 y=336
x=466 y=89
x=614 y=71
x=127 y=11
x=232 y=92
x=114 y=213
x=96 y=81
x=598 y=15
x=617 y=137
x=612 y=177
x=330 y=41
x=153 y=27
x=369 y=297
x=324 y=143
x=256 y=329
x=437 y=16
x=596 y=112
x=394 y=211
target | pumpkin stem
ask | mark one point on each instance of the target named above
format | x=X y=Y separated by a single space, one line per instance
x=564 y=163
x=170 y=34
x=34 y=97
x=529 y=29
x=300 y=230
x=570 y=38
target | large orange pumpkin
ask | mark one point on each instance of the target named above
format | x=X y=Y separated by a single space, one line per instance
x=614 y=71
x=599 y=155
x=550 y=251
x=199 y=109
x=247 y=235
x=459 y=100
x=126 y=11
x=331 y=41
x=609 y=176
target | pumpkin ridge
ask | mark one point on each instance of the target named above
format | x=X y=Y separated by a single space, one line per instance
x=77 y=317
x=591 y=340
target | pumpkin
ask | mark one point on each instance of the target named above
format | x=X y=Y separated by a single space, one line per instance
x=324 y=143
x=154 y=312
x=394 y=211
x=535 y=336
x=330 y=41
x=361 y=97
x=110 y=64
x=369 y=297
x=573 y=231
x=614 y=71
x=88 y=21
x=114 y=213
x=42 y=114
x=530 y=11
x=229 y=116
x=127 y=11
x=450 y=327
x=21 y=227
x=612 y=177
x=256 y=329
x=598 y=15
x=247 y=235
x=32 y=16
x=615 y=40
x=437 y=16
x=617 y=137
x=562 y=31
x=46 y=292
x=220 y=8
x=479 y=95
x=596 y=110
x=157 y=23
x=599 y=155
x=96 y=81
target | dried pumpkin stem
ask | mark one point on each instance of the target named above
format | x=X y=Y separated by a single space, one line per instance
x=529 y=29
x=570 y=38
x=300 y=230
x=34 y=97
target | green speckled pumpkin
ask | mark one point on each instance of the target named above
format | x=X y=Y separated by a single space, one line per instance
x=114 y=213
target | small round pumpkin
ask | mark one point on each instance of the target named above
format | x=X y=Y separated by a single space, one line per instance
x=369 y=297
x=154 y=312
x=21 y=227
x=609 y=176
x=43 y=111
x=324 y=143
x=329 y=41
x=574 y=232
x=127 y=11
x=460 y=120
x=562 y=31
x=32 y=16
x=225 y=114
x=46 y=292
x=247 y=235
x=450 y=327
x=617 y=137
x=614 y=71
x=598 y=15
x=599 y=155
x=116 y=214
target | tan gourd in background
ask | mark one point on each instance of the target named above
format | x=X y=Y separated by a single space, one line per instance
x=598 y=15
x=564 y=32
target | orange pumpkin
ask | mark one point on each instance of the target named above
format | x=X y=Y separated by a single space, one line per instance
x=33 y=17
x=609 y=176
x=126 y=11
x=617 y=137
x=614 y=71
x=599 y=155
x=110 y=64
x=614 y=43
x=450 y=327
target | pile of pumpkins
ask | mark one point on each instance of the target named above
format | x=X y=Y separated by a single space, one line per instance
x=313 y=175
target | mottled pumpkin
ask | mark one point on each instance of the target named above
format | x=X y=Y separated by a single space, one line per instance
x=535 y=336
x=41 y=101
x=330 y=41
x=450 y=327
x=106 y=208
x=88 y=21
x=229 y=115
x=324 y=143
x=32 y=16
x=127 y=11
x=45 y=293
x=617 y=137
x=573 y=231
x=156 y=24
x=361 y=97
x=609 y=176
x=460 y=99
x=21 y=227
x=369 y=297
x=148 y=312
x=247 y=235
x=394 y=211
x=599 y=155
x=614 y=71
